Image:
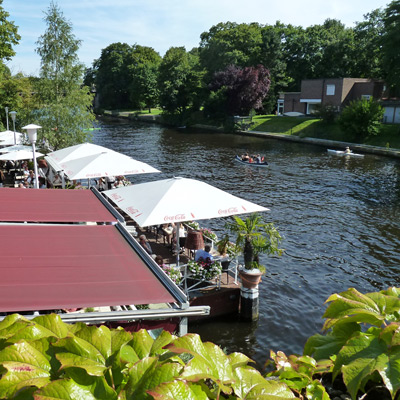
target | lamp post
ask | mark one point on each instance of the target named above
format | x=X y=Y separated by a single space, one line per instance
x=6 y=108
x=32 y=133
x=13 y=114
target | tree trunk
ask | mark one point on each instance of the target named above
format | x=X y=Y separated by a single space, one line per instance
x=248 y=253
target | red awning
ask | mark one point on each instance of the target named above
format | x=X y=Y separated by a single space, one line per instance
x=52 y=205
x=67 y=266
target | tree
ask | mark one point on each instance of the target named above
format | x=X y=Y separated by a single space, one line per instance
x=230 y=44
x=361 y=118
x=368 y=49
x=179 y=82
x=244 y=89
x=144 y=72
x=9 y=35
x=391 y=44
x=112 y=76
x=64 y=110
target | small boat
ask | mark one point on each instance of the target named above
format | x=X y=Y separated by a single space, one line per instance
x=253 y=164
x=343 y=153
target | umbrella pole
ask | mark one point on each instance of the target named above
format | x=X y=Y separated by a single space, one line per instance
x=178 y=249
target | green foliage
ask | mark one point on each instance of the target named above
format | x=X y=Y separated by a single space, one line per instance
x=45 y=358
x=361 y=119
x=9 y=35
x=255 y=237
x=362 y=339
x=327 y=112
x=64 y=106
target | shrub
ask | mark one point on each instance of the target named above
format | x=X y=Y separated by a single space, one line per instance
x=361 y=119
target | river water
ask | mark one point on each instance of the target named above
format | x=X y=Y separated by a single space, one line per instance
x=340 y=219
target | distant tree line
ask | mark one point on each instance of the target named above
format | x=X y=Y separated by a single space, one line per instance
x=238 y=67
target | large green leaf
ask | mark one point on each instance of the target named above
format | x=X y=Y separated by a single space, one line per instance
x=351 y=305
x=148 y=374
x=25 y=366
x=41 y=327
x=161 y=341
x=76 y=352
x=178 y=390
x=250 y=385
x=99 y=338
x=64 y=390
x=209 y=361
x=119 y=337
x=142 y=343
x=12 y=324
x=360 y=358
x=239 y=360
x=324 y=346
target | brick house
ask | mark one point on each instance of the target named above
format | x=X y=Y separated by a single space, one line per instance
x=337 y=92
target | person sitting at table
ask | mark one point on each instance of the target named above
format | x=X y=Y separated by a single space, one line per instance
x=145 y=244
x=159 y=260
x=203 y=254
x=31 y=177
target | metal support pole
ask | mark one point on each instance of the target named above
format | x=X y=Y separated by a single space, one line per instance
x=36 y=186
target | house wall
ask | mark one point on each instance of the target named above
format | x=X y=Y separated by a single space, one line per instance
x=292 y=103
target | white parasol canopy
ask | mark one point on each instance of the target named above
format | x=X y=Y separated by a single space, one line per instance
x=77 y=151
x=178 y=200
x=7 y=138
x=20 y=155
x=15 y=148
x=110 y=163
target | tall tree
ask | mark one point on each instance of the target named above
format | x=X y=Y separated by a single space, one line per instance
x=391 y=45
x=144 y=72
x=230 y=44
x=8 y=34
x=179 y=81
x=112 y=76
x=64 y=110
x=367 y=54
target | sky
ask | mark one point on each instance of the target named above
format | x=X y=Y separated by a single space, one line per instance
x=162 y=24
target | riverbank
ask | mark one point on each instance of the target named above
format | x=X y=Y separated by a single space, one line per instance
x=334 y=144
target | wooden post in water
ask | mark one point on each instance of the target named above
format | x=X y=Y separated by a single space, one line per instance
x=249 y=303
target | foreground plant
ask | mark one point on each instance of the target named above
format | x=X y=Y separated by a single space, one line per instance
x=362 y=339
x=45 y=358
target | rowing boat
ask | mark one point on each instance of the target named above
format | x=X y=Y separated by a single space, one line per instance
x=343 y=153
x=252 y=164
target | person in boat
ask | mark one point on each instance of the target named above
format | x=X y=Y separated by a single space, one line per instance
x=347 y=150
x=203 y=254
x=245 y=157
x=258 y=159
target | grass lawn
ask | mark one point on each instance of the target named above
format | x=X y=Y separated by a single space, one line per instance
x=389 y=135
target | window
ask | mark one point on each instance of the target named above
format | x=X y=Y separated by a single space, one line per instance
x=330 y=90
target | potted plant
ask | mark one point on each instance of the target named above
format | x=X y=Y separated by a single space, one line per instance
x=254 y=237
x=227 y=249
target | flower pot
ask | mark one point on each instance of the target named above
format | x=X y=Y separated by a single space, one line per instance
x=225 y=265
x=250 y=278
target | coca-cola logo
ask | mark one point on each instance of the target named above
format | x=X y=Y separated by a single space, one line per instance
x=177 y=217
x=133 y=211
x=228 y=211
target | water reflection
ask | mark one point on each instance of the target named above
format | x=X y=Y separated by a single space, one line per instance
x=339 y=217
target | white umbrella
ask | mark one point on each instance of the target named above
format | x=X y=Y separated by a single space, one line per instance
x=15 y=148
x=177 y=200
x=77 y=151
x=104 y=164
x=19 y=155
x=7 y=138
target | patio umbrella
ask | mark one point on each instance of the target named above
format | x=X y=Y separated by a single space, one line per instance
x=77 y=151
x=15 y=148
x=177 y=200
x=19 y=155
x=104 y=164
x=7 y=138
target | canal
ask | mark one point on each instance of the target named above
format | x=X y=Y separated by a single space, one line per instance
x=340 y=219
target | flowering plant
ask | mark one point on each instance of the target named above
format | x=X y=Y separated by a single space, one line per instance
x=173 y=273
x=208 y=233
x=193 y=224
x=204 y=270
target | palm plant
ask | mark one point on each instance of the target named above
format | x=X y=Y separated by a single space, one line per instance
x=255 y=237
